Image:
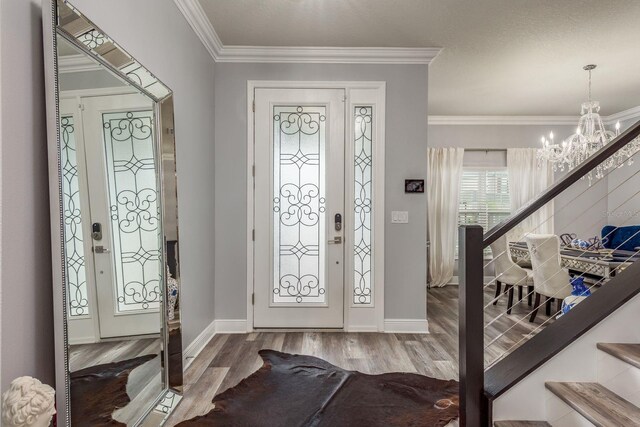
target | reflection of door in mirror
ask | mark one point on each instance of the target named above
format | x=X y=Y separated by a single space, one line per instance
x=115 y=161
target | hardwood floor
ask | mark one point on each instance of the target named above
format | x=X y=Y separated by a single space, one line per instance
x=227 y=359
x=84 y=355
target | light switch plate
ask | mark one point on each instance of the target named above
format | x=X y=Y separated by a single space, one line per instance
x=399 y=217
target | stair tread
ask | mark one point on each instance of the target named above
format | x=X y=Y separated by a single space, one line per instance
x=521 y=424
x=597 y=403
x=629 y=353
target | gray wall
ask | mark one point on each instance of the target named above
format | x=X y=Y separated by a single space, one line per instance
x=624 y=187
x=578 y=210
x=27 y=312
x=406 y=142
x=157 y=34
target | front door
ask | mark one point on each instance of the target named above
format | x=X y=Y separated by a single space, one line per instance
x=299 y=208
x=121 y=162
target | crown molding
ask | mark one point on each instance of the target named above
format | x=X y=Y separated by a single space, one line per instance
x=198 y=20
x=503 y=120
x=632 y=113
x=328 y=55
x=77 y=63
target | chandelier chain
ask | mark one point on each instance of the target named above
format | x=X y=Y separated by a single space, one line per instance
x=589 y=85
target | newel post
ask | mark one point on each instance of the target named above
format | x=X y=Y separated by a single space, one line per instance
x=473 y=407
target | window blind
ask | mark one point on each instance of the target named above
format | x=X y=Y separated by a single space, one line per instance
x=484 y=197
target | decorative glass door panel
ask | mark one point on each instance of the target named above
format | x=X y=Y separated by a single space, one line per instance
x=134 y=209
x=362 y=203
x=299 y=204
x=122 y=171
x=76 y=275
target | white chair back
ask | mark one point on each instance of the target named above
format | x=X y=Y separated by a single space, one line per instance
x=549 y=278
x=506 y=270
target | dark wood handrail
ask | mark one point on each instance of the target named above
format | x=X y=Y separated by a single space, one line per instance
x=558 y=335
x=571 y=178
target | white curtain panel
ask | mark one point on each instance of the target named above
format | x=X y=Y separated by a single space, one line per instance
x=529 y=176
x=444 y=172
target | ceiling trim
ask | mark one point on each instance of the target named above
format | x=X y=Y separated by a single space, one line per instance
x=328 y=55
x=503 y=120
x=77 y=63
x=632 y=113
x=196 y=17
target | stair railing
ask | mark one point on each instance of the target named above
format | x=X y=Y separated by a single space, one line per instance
x=480 y=385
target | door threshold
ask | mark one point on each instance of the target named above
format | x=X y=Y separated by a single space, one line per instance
x=298 y=330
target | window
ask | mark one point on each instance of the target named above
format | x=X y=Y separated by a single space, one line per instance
x=484 y=197
x=363 y=204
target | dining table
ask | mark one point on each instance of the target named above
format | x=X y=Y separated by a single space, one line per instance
x=597 y=266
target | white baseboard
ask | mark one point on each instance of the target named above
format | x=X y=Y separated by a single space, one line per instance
x=231 y=326
x=406 y=326
x=193 y=349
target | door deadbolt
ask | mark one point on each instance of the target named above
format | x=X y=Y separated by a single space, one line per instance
x=338 y=221
x=96 y=231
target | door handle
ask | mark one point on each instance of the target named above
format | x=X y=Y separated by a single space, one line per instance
x=100 y=250
x=336 y=240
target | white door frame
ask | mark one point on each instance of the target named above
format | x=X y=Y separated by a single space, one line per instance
x=357 y=318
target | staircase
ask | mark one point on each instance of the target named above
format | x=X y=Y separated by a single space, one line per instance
x=611 y=401
x=564 y=370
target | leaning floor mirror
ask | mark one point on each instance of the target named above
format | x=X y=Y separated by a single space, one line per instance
x=116 y=272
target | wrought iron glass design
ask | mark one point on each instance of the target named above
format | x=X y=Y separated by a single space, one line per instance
x=299 y=204
x=78 y=27
x=133 y=195
x=143 y=77
x=92 y=39
x=363 y=155
x=76 y=276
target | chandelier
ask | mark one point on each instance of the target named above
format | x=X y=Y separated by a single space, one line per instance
x=590 y=137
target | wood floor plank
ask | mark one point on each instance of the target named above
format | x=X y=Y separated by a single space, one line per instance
x=204 y=359
x=292 y=342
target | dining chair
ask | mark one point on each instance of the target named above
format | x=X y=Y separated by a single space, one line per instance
x=549 y=278
x=509 y=273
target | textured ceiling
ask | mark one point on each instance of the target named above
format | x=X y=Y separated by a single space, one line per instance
x=500 y=57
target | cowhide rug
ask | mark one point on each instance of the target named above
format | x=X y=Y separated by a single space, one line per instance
x=293 y=390
x=99 y=390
